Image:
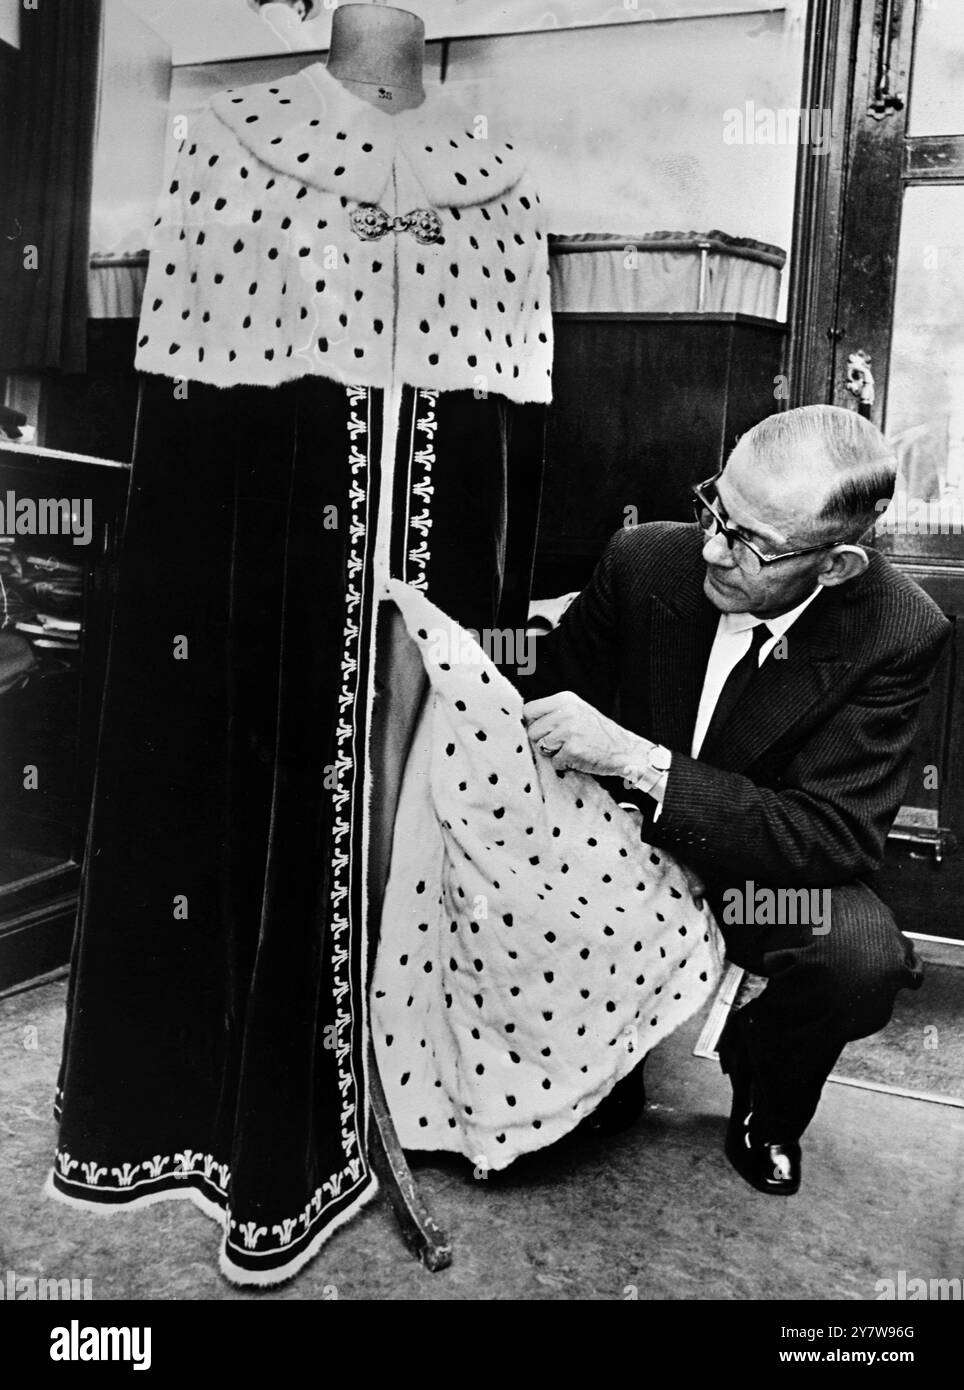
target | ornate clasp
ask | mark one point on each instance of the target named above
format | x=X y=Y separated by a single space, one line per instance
x=369 y=222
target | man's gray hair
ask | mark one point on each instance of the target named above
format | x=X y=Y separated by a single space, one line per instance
x=854 y=462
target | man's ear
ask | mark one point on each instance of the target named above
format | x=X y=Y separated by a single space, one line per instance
x=843 y=563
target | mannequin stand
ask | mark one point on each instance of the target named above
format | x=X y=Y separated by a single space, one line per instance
x=400 y=682
x=377 y=53
x=419 y=1230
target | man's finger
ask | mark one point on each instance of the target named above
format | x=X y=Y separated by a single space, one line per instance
x=534 y=709
x=545 y=731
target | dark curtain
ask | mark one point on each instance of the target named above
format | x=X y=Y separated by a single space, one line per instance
x=43 y=310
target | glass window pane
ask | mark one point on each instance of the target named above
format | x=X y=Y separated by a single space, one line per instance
x=925 y=395
x=937 y=87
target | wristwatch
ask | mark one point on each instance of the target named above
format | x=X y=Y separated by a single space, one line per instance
x=647 y=778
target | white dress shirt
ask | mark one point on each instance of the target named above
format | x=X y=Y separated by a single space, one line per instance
x=731 y=642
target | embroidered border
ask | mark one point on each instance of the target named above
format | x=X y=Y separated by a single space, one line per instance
x=420 y=523
x=341 y=797
x=188 y=1164
x=344 y=759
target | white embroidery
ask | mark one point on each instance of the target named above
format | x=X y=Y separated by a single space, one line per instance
x=152 y=1169
x=419 y=553
x=156 y=1165
x=359 y=404
x=251 y=1234
x=285 y=1231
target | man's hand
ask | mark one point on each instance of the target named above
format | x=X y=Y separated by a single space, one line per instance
x=575 y=735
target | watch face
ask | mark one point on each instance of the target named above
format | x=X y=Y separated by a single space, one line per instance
x=660 y=759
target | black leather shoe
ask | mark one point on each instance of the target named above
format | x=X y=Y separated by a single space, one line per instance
x=761 y=1159
x=773 y=1168
x=621 y=1108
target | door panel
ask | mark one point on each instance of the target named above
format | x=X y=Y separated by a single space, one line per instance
x=937 y=99
x=924 y=403
x=882 y=228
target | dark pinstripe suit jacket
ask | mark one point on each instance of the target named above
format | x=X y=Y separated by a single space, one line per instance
x=805 y=779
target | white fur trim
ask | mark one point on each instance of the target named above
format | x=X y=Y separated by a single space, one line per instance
x=239 y=1274
x=257 y=276
x=310 y=127
x=514 y=987
x=150 y=1199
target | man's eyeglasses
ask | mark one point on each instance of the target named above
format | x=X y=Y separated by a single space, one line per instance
x=748 y=556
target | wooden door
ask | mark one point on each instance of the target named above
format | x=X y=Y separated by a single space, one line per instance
x=880 y=274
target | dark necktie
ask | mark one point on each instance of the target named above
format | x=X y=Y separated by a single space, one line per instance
x=735 y=684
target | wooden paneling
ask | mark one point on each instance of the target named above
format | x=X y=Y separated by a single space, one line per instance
x=642 y=407
x=926 y=893
x=95 y=413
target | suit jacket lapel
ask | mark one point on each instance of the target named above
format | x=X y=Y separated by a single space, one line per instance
x=787 y=688
x=682 y=631
x=784 y=692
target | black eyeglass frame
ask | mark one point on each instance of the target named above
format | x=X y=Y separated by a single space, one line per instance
x=731 y=534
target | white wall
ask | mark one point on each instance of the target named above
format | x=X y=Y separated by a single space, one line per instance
x=627 y=124
x=624 y=123
x=206 y=31
x=10 y=22
x=132 y=132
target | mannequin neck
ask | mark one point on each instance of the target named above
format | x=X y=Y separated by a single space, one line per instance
x=378 y=53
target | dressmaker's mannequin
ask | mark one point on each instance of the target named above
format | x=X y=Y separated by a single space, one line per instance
x=378 y=53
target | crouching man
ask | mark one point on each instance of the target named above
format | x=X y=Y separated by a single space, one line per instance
x=753 y=682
